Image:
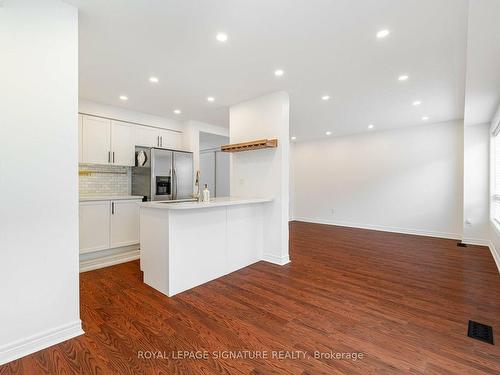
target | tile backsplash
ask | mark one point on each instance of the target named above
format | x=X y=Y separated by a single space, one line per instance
x=104 y=180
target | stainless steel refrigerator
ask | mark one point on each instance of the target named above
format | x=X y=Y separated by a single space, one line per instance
x=161 y=174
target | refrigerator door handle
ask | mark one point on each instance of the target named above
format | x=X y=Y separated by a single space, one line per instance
x=174 y=183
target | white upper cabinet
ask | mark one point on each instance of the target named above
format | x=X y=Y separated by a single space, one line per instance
x=155 y=137
x=171 y=140
x=103 y=141
x=146 y=136
x=122 y=143
x=96 y=140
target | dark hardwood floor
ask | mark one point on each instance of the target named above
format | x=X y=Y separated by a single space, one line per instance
x=402 y=301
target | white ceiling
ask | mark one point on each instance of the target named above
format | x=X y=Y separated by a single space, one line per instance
x=482 y=95
x=324 y=46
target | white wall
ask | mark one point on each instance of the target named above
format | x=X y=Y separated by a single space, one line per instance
x=476 y=184
x=404 y=180
x=38 y=176
x=98 y=109
x=264 y=173
x=482 y=81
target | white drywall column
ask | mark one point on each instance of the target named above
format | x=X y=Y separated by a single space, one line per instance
x=38 y=176
x=264 y=173
x=476 y=184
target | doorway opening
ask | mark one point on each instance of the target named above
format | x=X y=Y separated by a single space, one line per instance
x=214 y=164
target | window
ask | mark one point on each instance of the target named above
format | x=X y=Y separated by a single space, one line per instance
x=495 y=186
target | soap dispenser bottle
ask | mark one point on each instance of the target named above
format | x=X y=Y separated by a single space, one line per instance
x=206 y=194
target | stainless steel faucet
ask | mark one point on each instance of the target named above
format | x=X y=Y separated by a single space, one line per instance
x=197 y=194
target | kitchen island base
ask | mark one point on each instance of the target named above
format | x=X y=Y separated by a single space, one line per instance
x=184 y=245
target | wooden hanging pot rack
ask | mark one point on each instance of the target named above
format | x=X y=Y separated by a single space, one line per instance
x=248 y=146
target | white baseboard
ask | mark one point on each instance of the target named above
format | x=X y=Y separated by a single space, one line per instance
x=109 y=260
x=476 y=241
x=281 y=261
x=495 y=254
x=417 y=232
x=32 y=344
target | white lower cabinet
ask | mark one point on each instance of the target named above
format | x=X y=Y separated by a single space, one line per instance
x=108 y=224
x=124 y=223
x=94 y=226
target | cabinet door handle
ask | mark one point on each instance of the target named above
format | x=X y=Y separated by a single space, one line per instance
x=113 y=156
x=158 y=141
x=161 y=141
x=112 y=208
x=109 y=156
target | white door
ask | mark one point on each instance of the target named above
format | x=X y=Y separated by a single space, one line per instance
x=94 y=226
x=124 y=223
x=171 y=140
x=147 y=137
x=96 y=140
x=122 y=143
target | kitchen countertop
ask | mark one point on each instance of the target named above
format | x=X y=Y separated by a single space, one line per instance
x=89 y=198
x=215 y=202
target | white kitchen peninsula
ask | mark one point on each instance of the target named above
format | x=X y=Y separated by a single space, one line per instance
x=186 y=244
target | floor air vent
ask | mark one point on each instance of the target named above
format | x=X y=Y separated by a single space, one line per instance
x=461 y=244
x=480 y=332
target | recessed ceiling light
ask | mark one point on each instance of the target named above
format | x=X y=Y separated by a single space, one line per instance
x=403 y=77
x=370 y=126
x=221 y=37
x=279 y=72
x=177 y=111
x=325 y=97
x=294 y=138
x=154 y=79
x=328 y=133
x=123 y=97
x=210 y=99
x=383 y=33
x=416 y=102
x=425 y=118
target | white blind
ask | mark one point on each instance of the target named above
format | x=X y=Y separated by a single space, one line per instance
x=496 y=161
x=496 y=177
